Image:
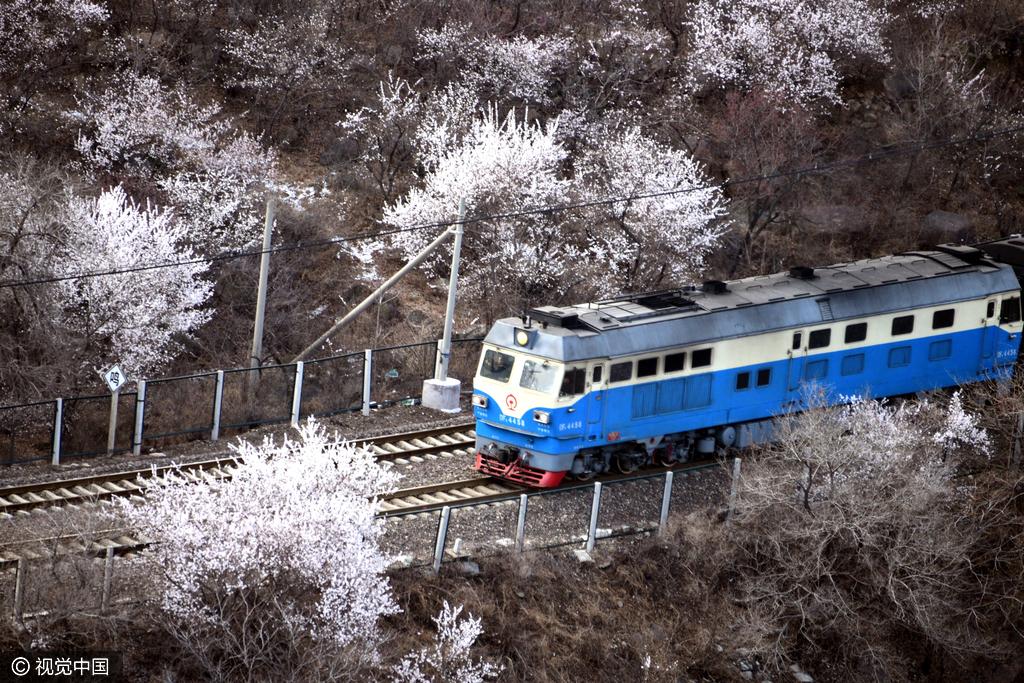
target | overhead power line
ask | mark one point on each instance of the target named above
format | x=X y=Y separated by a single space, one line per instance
x=880 y=154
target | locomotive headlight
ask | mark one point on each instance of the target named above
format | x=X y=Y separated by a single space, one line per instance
x=542 y=417
x=522 y=338
x=479 y=400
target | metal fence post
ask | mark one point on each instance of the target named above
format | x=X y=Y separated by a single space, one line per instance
x=112 y=426
x=218 y=398
x=297 y=393
x=19 y=587
x=367 y=379
x=521 y=525
x=666 y=499
x=108 y=573
x=442 y=536
x=140 y=411
x=732 y=489
x=58 y=426
x=594 y=510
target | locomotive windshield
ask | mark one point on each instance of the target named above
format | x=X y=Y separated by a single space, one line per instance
x=496 y=365
x=539 y=376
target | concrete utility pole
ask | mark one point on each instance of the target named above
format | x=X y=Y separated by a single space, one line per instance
x=453 y=283
x=261 y=292
x=442 y=392
x=368 y=301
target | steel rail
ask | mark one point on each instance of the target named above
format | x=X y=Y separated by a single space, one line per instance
x=400 y=448
x=401 y=503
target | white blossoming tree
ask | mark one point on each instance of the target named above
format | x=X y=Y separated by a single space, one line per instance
x=520 y=68
x=646 y=242
x=451 y=657
x=500 y=165
x=276 y=572
x=794 y=49
x=31 y=33
x=285 y=60
x=139 y=318
x=852 y=528
x=211 y=175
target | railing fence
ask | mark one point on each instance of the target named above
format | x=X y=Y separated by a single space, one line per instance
x=102 y=574
x=205 y=405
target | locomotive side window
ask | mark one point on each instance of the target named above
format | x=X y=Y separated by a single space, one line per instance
x=742 y=381
x=990 y=310
x=496 y=365
x=764 y=377
x=797 y=339
x=574 y=381
x=701 y=358
x=645 y=367
x=943 y=318
x=538 y=375
x=621 y=372
x=856 y=332
x=674 y=362
x=598 y=373
x=819 y=339
x=902 y=325
x=1009 y=312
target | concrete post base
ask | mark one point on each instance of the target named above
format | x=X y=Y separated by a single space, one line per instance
x=442 y=394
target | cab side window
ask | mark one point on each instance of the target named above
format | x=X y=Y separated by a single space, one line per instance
x=1009 y=312
x=573 y=382
x=621 y=372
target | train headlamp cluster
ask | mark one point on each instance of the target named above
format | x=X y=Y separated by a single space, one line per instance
x=479 y=400
x=542 y=417
x=523 y=337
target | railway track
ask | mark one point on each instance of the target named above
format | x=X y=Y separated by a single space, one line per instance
x=404 y=448
x=404 y=502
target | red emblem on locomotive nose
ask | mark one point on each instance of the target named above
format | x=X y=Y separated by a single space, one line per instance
x=511 y=402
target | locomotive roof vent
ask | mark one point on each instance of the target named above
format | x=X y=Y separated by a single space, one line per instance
x=714 y=287
x=802 y=272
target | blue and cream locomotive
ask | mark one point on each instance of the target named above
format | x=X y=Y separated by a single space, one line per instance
x=664 y=376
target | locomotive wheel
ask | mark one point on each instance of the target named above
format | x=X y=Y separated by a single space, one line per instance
x=625 y=463
x=584 y=476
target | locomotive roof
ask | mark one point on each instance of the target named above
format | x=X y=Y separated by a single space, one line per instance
x=719 y=310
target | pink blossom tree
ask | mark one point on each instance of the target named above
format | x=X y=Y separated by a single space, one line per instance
x=278 y=570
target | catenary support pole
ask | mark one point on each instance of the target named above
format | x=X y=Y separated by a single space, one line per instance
x=442 y=537
x=261 y=291
x=58 y=430
x=453 y=285
x=368 y=301
x=595 y=510
x=666 y=500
